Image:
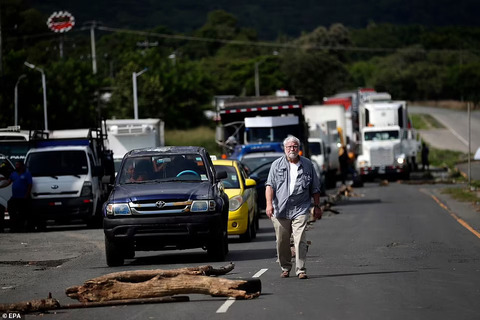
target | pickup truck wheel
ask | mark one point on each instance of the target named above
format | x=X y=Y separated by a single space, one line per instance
x=113 y=253
x=218 y=248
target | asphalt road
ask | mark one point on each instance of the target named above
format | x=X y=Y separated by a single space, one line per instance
x=455 y=134
x=381 y=257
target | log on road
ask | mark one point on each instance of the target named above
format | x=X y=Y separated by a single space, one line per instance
x=159 y=286
x=141 y=284
x=39 y=305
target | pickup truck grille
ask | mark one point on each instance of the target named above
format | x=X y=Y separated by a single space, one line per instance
x=381 y=157
x=160 y=207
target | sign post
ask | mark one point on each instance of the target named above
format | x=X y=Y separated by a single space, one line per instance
x=61 y=22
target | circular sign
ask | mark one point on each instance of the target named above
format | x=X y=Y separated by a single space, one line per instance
x=61 y=21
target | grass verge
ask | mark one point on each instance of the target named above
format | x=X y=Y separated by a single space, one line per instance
x=200 y=136
x=466 y=194
x=421 y=121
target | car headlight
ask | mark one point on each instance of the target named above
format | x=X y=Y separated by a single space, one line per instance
x=203 y=206
x=235 y=203
x=401 y=159
x=118 y=209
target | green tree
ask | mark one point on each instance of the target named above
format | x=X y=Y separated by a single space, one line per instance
x=314 y=75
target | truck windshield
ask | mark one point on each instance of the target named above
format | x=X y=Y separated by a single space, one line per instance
x=57 y=163
x=163 y=167
x=381 y=135
x=315 y=148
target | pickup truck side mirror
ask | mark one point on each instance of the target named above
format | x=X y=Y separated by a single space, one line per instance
x=221 y=175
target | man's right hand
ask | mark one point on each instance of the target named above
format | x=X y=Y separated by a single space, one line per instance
x=269 y=211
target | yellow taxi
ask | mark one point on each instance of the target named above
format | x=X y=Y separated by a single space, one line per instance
x=242 y=194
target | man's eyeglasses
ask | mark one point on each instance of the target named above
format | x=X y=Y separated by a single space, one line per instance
x=291 y=147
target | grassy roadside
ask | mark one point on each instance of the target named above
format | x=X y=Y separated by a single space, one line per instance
x=439 y=158
x=201 y=136
x=449 y=159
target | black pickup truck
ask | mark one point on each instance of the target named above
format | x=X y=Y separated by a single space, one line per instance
x=166 y=198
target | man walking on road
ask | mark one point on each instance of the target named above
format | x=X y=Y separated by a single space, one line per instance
x=291 y=184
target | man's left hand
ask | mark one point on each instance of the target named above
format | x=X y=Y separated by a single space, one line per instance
x=317 y=213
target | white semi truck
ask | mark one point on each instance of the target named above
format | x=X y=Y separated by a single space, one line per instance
x=388 y=143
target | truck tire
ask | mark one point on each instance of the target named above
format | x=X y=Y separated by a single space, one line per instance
x=217 y=249
x=113 y=253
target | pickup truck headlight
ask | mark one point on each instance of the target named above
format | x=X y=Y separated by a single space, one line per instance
x=203 y=206
x=401 y=159
x=118 y=209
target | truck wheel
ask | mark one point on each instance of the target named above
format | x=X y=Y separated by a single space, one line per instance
x=218 y=248
x=113 y=253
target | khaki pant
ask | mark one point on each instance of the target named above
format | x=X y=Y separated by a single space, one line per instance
x=284 y=228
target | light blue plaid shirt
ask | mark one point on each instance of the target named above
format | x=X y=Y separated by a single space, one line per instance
x=298 y=203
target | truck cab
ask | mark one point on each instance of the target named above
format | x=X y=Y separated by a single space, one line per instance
x=66 y=183
x=382 y=153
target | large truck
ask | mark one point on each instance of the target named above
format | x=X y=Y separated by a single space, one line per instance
x=388 y=143
x=128 y=134
x=264 y=119
x=72 y=174
x=326 y=123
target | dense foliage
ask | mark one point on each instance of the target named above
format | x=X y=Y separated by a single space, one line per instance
x=185 y=71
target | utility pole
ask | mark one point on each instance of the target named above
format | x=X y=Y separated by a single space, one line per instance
x=92 y=41
x=469 y=146
x=92 y=26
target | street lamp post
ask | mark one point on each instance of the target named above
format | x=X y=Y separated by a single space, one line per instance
x=135 y=100
x=44 y=86
x=16 y=99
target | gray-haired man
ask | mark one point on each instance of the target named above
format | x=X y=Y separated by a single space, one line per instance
x=291 y=184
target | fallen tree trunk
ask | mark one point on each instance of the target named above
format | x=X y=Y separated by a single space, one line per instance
x=146 y=286
x=107 y=288
x=44 y=305
x=39 y=305
x=144 y=275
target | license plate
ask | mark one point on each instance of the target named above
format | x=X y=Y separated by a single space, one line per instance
x=381 y=170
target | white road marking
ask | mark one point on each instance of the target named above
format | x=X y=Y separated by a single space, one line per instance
x=259 y=273
x=224 y=307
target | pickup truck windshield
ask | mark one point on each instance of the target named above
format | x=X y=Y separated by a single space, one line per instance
x=163 y=167
x=57 y=163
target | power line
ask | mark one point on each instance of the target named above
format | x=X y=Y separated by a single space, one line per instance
x=242 y=42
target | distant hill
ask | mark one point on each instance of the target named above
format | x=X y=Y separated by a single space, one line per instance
x=269 y=18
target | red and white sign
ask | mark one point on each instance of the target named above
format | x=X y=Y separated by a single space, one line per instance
x=61 y=21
